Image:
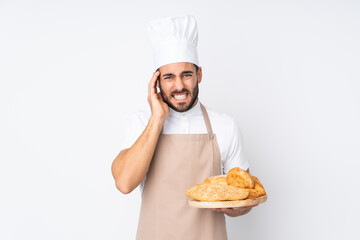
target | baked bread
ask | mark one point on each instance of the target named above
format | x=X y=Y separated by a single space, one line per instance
x=211 y=192
x=220 y=179
x=236 y=185
x=239 y=178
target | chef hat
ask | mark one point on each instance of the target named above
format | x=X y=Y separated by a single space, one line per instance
x=174 y=39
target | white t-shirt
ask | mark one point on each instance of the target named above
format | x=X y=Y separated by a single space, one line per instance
x=227 y=133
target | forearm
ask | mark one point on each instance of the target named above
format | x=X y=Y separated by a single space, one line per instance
x=130 y=166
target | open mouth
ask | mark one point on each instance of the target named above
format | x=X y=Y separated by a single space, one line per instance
x=180 y=96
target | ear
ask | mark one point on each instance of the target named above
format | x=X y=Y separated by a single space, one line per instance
x=199 y=73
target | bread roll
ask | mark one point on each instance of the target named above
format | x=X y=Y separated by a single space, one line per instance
x=239 y=178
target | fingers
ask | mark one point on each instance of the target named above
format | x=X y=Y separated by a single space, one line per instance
x=216 y=209
x=233 y=212
x=152 y=83
x=160 y=97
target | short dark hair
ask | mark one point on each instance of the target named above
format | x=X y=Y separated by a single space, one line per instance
x=196 y=68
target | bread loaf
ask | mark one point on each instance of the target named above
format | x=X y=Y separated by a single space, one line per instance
x=212 y=192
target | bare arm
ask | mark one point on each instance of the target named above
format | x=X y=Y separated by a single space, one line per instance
x=130 y=166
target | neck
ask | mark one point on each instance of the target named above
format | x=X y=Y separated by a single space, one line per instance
x=197 y=99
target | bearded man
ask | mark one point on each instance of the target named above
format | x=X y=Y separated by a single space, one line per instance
x=177 y=144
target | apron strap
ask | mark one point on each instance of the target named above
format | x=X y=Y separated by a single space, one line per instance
x=207 y=120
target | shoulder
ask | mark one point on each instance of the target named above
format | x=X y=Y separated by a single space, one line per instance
x=140 y=115
x=138 y=118
x=132 y=126
x=222 y=120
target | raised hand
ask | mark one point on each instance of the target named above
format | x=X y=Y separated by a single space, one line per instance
x=159 y=109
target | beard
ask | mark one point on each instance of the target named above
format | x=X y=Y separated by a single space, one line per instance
x=182 y=106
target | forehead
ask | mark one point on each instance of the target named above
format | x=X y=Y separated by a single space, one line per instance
x=177 y=68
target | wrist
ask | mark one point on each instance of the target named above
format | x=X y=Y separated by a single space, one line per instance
x=156 y=122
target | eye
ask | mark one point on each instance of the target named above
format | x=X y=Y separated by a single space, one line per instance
x=168 y=77
x=187 y=75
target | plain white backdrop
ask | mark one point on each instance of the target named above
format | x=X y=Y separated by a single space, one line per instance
x=71 y=71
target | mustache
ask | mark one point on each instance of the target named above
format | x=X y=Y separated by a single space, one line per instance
x=184 y=90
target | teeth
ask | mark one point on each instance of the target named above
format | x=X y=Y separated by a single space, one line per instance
x=180 y=96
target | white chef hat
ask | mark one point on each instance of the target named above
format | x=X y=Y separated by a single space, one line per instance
x=174 y=39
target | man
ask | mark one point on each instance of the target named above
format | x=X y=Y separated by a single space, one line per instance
x=174 y=147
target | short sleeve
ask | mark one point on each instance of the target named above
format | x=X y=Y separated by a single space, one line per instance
x=131 y=129
x=235 y=153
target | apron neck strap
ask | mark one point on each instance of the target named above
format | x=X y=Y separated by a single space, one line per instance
x=207 y=120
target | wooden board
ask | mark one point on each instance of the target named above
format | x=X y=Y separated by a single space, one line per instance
x=227 y=204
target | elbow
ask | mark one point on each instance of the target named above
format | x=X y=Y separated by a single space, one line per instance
x=123 y=187
x=123 y=183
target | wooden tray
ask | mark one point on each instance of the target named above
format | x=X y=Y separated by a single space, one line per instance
x=227 y=204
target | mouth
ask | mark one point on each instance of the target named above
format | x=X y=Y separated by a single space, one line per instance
x=180 y=97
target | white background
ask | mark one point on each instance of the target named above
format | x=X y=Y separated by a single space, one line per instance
x=71 y=71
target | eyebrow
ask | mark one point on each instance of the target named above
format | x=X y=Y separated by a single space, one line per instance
x=170 y=74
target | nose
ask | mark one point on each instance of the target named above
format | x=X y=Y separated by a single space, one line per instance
x=179 y=85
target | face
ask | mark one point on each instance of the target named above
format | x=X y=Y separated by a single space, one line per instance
x=179 y=85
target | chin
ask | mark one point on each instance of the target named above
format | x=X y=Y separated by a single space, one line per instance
x=181 y=107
